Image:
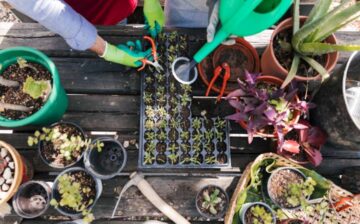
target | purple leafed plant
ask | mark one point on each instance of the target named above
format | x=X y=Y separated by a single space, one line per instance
x=306 y=138
x=262 y=105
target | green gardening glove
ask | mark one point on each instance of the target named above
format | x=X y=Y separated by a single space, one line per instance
x=128 y=55
x=154 y=17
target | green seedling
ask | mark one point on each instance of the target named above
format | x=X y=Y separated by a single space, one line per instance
x=71 y=193
x=185 y=136
x=150 y=136
x=261 y=215
x=173 y=148
x=160 y=91
x=196 y=123
x=37 y=89
x=162 y=113
x=197 y=147
x=219 y=123
x=186 y=88
x=185 y=99
x=160 y=77
x=211 y=201
x=149 y=158
x=161 y=124
x=150 y=147
x=149 y=124
x=211 y=160
x=148 y=98
x=185 y=147
x=149 y=80
x=299 y=192
x=66 y=144
x=162 y=136
x=209 y=135
x=161 y=99
x=219 y=135
x=150 y=112
x=174 y=123
x=173 y=158
x=197 y=137
x=172 y=87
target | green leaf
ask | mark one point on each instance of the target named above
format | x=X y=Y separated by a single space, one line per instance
x=296 y=18
x=318 y=67
x=37 y=89
x=325 y=48
x=292 y=72
x=320 y=8
x=322 y=185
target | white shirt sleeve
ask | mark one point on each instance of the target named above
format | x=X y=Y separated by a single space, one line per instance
x=60 y=18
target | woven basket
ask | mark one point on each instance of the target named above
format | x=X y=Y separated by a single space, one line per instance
x=347 y=216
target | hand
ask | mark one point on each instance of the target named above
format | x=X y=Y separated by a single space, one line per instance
x=129 y=54
x=213 y=23
x=154 y=17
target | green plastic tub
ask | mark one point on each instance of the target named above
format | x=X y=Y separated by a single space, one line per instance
x=56 y=104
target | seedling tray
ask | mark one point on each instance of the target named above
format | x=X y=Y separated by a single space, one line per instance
x=161 y=115
x=348 y=216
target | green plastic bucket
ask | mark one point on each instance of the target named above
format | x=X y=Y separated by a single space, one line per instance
x=57 y=102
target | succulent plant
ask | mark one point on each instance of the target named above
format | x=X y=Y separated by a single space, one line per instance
x=196 y=123
x=185 y=135
x=149 y=158
x=261 y=215
x=211 y=201
x=148 y=98
x=211 y=160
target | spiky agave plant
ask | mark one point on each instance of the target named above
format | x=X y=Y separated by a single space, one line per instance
x=321 y=23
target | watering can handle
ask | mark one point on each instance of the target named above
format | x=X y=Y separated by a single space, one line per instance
x=226 y=30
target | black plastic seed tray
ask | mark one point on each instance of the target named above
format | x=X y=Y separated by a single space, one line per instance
x=167 y=136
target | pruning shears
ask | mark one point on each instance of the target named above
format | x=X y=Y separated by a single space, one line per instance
x=224 y=66
x=146 y=61
x=344 y=203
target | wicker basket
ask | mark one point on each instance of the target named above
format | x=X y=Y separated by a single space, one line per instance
x=347 y=216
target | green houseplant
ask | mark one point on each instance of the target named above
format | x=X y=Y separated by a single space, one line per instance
x=312 y=46
x=56 y=102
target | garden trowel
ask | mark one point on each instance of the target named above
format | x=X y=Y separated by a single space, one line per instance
x=238 y=17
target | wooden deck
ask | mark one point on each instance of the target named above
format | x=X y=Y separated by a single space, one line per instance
x=105 y=97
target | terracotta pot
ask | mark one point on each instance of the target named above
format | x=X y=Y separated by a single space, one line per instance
x=271 y=65
x=242 y=51
x=276 y=81
x=22 y=171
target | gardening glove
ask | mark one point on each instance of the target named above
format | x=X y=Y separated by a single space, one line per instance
x=128 y=55
x=154 y=17
x=213 y=24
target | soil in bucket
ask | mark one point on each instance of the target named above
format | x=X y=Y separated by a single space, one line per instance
x=16 y=96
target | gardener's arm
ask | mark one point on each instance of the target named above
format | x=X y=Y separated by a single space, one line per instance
x=60 y=18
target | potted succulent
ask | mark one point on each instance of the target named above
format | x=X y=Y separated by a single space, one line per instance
x=75 y=192
x=240 y=56
x=32 y=92
x=212 y=201
x=309 y=52
x=302 y=144
x=14 y=170
x=109 y=161
x=289 y=188
x=61 y=145
x=263 y=108
x=257 y=212
x=32 y=199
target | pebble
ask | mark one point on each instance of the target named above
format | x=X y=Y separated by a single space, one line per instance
x=126 y=144
x=7 y=173
x=3 y=152
x=8 y=159
x=11 y=165
x=9 y=181
x=2 y=180
x=5 y=187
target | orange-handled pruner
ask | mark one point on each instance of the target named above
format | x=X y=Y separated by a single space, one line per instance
x=146 y=61
x=344 y=203
x=224 y=66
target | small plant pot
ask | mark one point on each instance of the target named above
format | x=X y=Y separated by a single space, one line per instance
x=32 y=199
x=220 y=207
x=278 y=82
x=271 y=65
x=57 y=102
x=56 y=195
x=109 y=162
x=46 y=156
x=277 y=183
x=240 y=56
x=14 y=171
x=244 y=212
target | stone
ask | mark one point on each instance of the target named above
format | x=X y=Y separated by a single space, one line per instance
x=2 y=180
x=11 y=165
x=9 y=181
x=3 y=152
x=7 y=173
x=7 y=159
x=5 y=187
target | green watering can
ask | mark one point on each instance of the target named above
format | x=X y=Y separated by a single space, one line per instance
x=238 y=17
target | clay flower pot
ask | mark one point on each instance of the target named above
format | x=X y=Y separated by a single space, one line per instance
x=271 y=65
x=276 y=81
x=14 y=170
x=240 y=56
